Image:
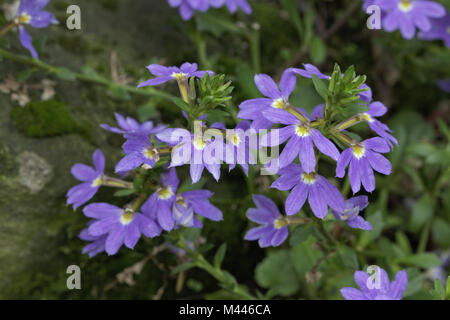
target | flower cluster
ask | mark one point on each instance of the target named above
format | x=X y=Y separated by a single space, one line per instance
x=304 y=134
x=188 y=7
x=152 y=154
x=406 y=15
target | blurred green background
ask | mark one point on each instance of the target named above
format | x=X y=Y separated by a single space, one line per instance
x=41 y=139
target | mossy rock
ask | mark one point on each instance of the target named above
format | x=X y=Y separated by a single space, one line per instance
x=45 y=119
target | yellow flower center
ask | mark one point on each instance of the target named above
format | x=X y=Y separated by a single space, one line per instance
x=358 y=151
x=302 y=130
x=350 y=213
x=405 y=5
x=180 y=76
x=24 y=18
x=309 y=178
x=367 y=117
x=199 y=143
x=150 y=153
x=280 y=223
x=279 y=103
x=97 y=182
x=127 y=217
x=181 y=201
x=235 y=139
x=165 y=193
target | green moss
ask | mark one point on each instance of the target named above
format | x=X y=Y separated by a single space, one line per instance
x=45 y=119
x=9 y=166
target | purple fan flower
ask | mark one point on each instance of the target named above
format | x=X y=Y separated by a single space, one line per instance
x=122 y=226
x=316 y=113
x=310 y=70
x=187 y=7
x=378 y=109
x=378 y=287
x=351 y=213
x=139 y=151
x=164 y=74
x=368 y=3
x=364 y=157
x=91 y=178
x=440 y=30
x=130 y=126
x=406 y=15
x=232 y=5
x=320 y=192
x=97 y=244
x=237 y=149
x=159 y=205
x=276 y=98
x=30 y=13
x=444 y=84
x=302 y=139
x=198 y=151
x=196 y=201
x=273 y=230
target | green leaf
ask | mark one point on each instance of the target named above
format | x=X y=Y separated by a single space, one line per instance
x=118 y=92
x=438 y=292
x=215 y=23
x=220 y=255
x=376 y=219
x=441 y=233
x=421 y=213
x=65 y=74
x=320 y=86
x=182 y=105
x=422 y=260
x=124 y=192
x=348 y=257
x=182 y=267
x=317 y=50
x=447 y=291
x=277 y=273
x=415 y=282
x=403 y=242
x=349 y=74
x=305 y=256
x=291 y=7
x=300 y=234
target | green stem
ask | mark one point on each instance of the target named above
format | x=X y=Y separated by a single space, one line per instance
x=220 y=275
x=7 y=28
x=255 y=50
x=116 y=183
x=148 y=91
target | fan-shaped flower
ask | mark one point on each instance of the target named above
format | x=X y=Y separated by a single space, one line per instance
x=31 y=13
x=159 y=205
x=379 y=288
x=351 y=213
x=364 y=157
x=273 y=230
x=276 y=98
x=163 y=74
x=301 y=139
x=122 y=226
x=91 y=178
x=320 y=193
